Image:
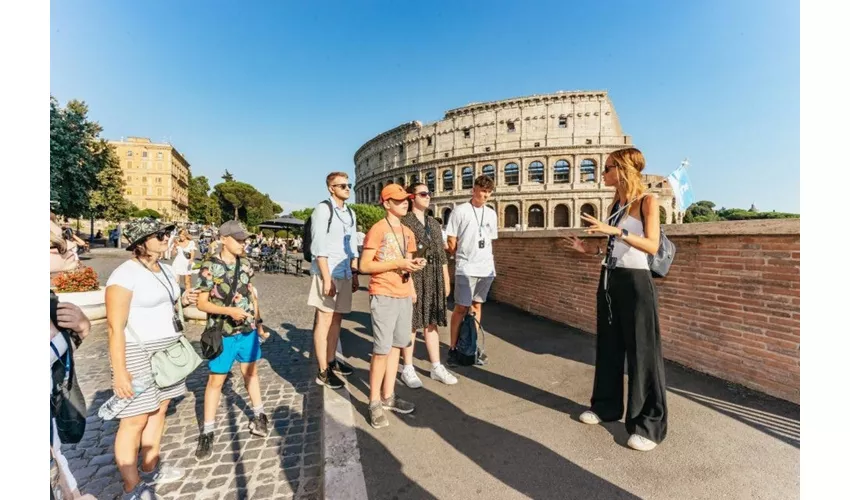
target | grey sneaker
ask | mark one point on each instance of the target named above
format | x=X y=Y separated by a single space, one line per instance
x=397 y=404
x=376 y=415
x=162 y=474
x=259 y=425
x=142 y=491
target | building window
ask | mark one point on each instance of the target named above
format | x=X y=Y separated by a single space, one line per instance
x=588 y=209
x=447 y=212
x=129 y=153
x=562 y=171
x=159 y=155
x=466 y=133
x=414 y=179
x=400 y=181
x=511 y=127
x=129 y=191
x=511 y=216
x=129 y=178
x=144 y=154
x=466 y=178
x=401 y=150
x=489 y=171
x=588 y=171
x=511 y=174
x=562 y=122
x=129 y=164
x=430 y=140
x=429 y=180
x=562 y=216
x=536 y=173
x=144 y=179
x=662 y=215
x=535 y=216
x=144 y=191
x=448 y=181
x=159 y=180
x=159 y=191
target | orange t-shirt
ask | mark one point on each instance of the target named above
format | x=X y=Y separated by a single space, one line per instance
x=389 y=242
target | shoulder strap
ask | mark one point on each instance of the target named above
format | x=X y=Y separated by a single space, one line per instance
x=330 y=213
x=642 y=221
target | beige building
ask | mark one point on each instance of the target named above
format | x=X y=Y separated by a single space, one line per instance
x=156 y=176
x=545 y=152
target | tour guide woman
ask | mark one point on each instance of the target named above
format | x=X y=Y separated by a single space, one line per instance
x=140 y=298
x=627 y=308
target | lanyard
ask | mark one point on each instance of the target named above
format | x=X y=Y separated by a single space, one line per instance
x=169 y=288
x=400 y=247
x=475 y=214
x=67 y=360
x=345 y=225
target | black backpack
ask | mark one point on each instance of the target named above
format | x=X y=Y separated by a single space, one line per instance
x=67 y=404
x=470 y=342
x=308 y=229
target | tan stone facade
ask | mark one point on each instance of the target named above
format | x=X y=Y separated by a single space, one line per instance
x=545 y=153
x=156 y=176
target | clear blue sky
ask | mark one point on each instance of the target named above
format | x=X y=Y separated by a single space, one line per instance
x=280 y=93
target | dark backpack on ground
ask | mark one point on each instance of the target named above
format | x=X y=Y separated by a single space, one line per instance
x=67 y=404
x=659 y=264
x=470 y=342
x=308 y=230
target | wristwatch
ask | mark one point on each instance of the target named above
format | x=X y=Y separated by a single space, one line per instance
x=624 y=233
x=259 y=321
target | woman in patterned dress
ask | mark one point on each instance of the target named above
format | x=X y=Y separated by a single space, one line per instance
x=432 y=287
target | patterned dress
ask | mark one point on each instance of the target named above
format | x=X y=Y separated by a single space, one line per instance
x=430 y=306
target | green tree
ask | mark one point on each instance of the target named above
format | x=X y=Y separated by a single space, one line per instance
x=147 y=213
x=107 y=200
x=203 y=208
x=228 y=177
x=245 y=202
x=73 y=165
x=367 y=215
x=303 y=214
x=701 y=211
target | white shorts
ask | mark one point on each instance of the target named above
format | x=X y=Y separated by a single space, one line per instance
x=469 y=289
x=341 y=303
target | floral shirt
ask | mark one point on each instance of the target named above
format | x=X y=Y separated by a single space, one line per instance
x=216 y=277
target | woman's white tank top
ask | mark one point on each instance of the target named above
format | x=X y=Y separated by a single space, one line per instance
x=628 y=256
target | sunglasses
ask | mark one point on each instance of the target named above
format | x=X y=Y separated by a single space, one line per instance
x=424 y=194
x=161 y=235
x=343 y=186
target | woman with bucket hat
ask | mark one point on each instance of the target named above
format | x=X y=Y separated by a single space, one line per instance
x=141 y=296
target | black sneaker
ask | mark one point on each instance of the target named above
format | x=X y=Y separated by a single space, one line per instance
x=340 y=368
x=328 y=378
x=205 y=442
x=451 y=359
x=259 y=426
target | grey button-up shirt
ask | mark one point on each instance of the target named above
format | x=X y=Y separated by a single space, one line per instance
x=338 y=244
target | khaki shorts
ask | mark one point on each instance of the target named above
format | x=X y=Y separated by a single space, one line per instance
x=341 y=303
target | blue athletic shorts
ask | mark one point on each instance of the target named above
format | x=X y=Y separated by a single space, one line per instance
x=242 y=347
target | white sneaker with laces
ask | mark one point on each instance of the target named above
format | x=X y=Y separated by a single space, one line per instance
x=441 y=374
x=410 y=378
x=589 y=418
x=641 y=443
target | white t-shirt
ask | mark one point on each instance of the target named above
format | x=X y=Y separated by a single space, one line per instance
x=471 y=225
x=151 y=308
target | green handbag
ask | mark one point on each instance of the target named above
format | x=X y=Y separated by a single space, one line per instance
x=173 y=364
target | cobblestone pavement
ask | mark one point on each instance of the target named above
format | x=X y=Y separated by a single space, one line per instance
x=286 y=464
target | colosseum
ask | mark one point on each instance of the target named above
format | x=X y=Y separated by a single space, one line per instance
x=545 y=153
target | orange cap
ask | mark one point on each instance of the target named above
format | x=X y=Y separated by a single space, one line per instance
x=394 y=192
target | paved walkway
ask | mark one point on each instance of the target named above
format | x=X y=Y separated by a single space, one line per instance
x=286 y=464
x=511 y=430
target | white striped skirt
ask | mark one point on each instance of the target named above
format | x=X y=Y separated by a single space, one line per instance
x=138 y=364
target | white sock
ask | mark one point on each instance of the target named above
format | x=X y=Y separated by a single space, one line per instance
x=434 y=366
x=209 y=427
x=258 y=410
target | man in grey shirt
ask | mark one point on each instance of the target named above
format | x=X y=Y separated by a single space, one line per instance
x=334 y=275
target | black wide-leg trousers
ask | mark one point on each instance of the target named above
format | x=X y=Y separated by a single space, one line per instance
x=633 y=335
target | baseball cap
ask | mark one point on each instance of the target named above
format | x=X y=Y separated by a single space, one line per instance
x=233 y=229
x=394 y=192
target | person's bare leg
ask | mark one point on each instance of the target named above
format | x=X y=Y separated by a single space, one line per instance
x=390 y=373
x=407 y=352
x=127 y=441
x=212 y=395
x=457 y=318
x=333 y=337
x=252 y=383
x=377 y=370
x=321 y=329
x=152 y=436
x=432 y=343
x=476 y=308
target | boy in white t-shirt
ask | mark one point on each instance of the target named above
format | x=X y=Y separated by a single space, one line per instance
x=471 y=229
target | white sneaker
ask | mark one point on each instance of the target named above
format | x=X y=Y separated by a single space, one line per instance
x=640 y=443
x=410 y=378
x=441 y=374
x=589 y=418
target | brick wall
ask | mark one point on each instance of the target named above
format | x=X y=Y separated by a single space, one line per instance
x=730 y=306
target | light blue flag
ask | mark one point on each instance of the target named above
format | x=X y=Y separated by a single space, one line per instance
x=682 y=186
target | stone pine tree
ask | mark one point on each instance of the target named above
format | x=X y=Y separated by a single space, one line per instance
x=73 y=165
x=202 y=208
x=107 y=200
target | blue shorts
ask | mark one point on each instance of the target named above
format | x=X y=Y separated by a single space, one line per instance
x=242 y=347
